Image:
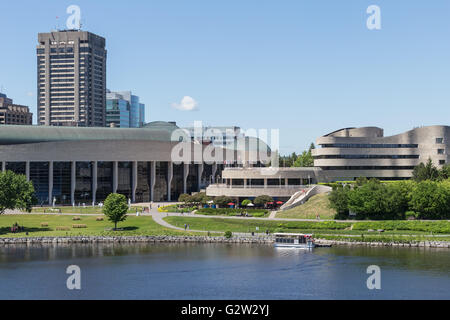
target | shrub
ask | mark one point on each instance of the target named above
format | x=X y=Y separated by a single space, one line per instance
x=99 y=219
x=228 y=234
x=232 y=212
x=79 y=226
x=62 y=228
x=76 y=218
x=44 y=224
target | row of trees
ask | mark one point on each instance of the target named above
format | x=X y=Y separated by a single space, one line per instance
x=298 y=160
x=372 y=199
x=222 y=201
x=429 y=171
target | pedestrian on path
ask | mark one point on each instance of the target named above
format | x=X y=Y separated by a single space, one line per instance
x=185 y=227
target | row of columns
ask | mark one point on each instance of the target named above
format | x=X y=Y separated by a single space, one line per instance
x=246 y=184
x=115 y=185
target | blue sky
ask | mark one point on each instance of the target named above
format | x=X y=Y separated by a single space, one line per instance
x=304 y=67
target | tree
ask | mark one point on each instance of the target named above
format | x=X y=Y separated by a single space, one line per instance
x=222 y=201
x=426 y=171
x=246 y=202
x=185 y=198
x=15 y=192
x=115 y=208
x=306 y=159
x=263 y=200
x=200 y=198
x=444 y=173
x=431 y=200
x=339 y=199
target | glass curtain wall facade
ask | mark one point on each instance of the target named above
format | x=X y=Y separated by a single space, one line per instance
x=125 y=179
x=206 y=176
x=83 y=187
x=39 y=175
x=161 y=174
x=143 y=190
x=62 y=173
x=177 y=185
x=104 y=180
x=117 y=113
x=16 y=167
x=192 y=179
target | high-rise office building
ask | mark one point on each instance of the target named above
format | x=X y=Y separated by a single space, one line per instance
x=124 y=110
x=11 y=113
x=71 y=79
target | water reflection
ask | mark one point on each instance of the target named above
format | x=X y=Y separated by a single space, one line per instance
x=221 y=271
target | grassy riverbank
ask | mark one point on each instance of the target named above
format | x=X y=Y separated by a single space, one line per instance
x=79 y=210
x=47 y=225
x=319 y=204
x=436 y=230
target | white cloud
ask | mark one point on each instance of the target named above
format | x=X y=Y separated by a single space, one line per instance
x=187 y=104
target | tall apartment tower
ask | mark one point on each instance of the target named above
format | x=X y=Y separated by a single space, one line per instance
x=71 y=79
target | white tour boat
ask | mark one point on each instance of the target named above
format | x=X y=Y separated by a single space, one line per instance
x=294 y=240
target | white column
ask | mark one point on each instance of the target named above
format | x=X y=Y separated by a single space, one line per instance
x=115 y=176
x=73 y=181
x=50 y=183
x=27 y=170
x=94 y=181
x=134 y=182
x=3 y=166
x=169 y=181
x=245 y=183
x=152 y=179
x=186 y=174
x=265 y=183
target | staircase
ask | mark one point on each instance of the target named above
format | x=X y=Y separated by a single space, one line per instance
x=302 y=196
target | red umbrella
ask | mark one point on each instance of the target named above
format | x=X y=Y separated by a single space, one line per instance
x=231 y=204
x=269 y=202
x=280 y=202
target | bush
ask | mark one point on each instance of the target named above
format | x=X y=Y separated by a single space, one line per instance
x=62 y=228
x=44 y=224
x=79 y=226
x=232 y=212
x=228 y=234
x=99 y=219
x=76 y=218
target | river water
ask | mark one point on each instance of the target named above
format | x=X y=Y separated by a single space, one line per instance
x=220 y=271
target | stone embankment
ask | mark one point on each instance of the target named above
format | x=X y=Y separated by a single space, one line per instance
x=421 y=244
x=136 y=239
x=269 y=240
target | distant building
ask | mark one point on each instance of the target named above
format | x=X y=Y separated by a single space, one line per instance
x=124 y=110
x=350 y=153
x=71 y=67
x=218 y=136
x=11 y=113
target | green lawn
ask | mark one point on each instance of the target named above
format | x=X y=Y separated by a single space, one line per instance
x=79 y=210
x=325 y=228
x=319 y=204
x=132 y=226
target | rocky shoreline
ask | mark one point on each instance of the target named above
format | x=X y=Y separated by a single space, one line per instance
x=269 y=240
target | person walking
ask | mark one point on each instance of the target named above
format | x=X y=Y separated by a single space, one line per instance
x=185 y=227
